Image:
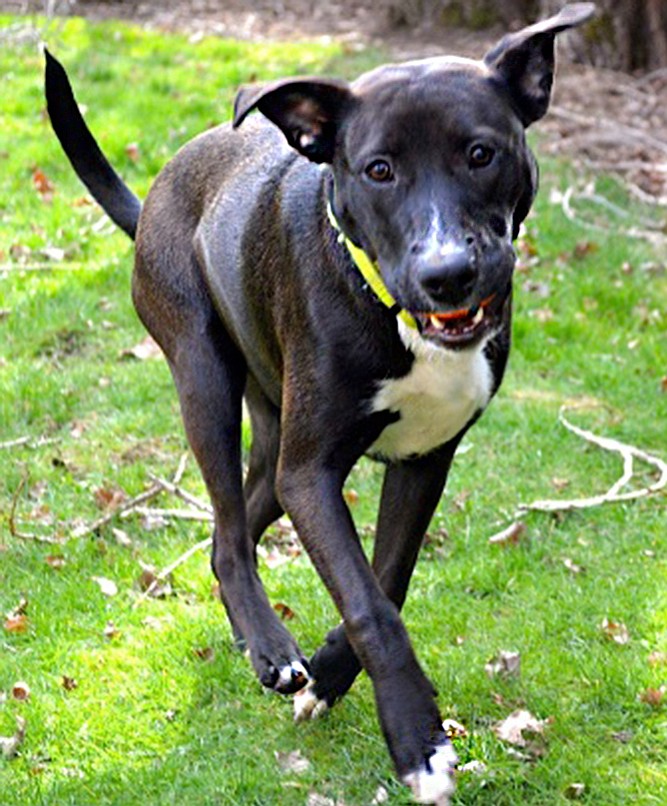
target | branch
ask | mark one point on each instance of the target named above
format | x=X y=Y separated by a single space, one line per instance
x=613 y=494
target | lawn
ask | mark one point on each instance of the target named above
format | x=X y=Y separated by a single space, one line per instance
x=128 y=698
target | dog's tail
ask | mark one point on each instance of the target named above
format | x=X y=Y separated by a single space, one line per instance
x=90 y=164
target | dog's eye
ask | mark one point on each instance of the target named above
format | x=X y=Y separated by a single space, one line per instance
x=480 y=156
x=379 y=171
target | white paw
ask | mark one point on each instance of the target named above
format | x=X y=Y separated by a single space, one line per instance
x=307 y=705
x=434 y=781
x=294 y=674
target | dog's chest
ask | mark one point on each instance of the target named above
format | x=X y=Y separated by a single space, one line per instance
x=441 y=394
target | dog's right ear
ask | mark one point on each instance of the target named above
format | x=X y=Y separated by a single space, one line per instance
x=307 y=110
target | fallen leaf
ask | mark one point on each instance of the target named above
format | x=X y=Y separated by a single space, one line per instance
x=623 y=736
x=68 y=683
x=663 y=383
x=351 y=496
x=56 y=561
x=9 y=745
x=122 y=538
x=559 y=484
x=615 y=631
x=147 y=349
x=284 y=611
x=43 y=185
x=150 y=583
x=454 y=729
x=293 y=762
x=505 y=664
x=542 y=315
x=657 y=658
x=653 y=696
x=111 y=631
x=512 y=728
x=574 y=791
x=107 y=586
x=475 y=767
x=21 y=691
x=584 y=248
x=108 y=498
x=204 y=653
x=16 y=623
x=509 y=536
x=314 y=799
x=132 y=151
x=572 y=567
x=381 y=796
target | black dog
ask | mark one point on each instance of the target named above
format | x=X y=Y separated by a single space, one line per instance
x=355 y=289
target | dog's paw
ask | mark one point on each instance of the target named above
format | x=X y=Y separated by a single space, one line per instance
x=307 y=705
x=434 y=781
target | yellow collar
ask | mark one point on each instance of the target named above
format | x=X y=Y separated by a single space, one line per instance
x=371 y=273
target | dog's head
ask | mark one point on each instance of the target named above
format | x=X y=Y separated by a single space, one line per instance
x=432 y=174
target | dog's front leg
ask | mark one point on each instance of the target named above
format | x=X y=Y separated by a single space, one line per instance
x=311 y=491
x=410 y=494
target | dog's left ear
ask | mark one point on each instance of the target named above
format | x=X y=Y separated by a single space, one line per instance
x=525 y=60
x=307 y=110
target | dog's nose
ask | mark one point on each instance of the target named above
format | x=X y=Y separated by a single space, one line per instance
x=448 y=276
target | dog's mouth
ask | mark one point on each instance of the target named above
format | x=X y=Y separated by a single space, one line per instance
x=460 y=328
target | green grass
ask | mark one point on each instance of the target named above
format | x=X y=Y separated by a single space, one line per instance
x=150 y=721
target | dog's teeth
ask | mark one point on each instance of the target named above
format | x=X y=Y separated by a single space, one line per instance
x=477 y=318
x=437 y=323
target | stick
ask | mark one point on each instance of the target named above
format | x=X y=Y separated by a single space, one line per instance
x=179 y=514
x=174 y=489
x=14 y=530
x=613 y=494
x=162 y=575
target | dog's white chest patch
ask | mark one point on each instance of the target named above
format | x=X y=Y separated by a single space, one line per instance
x=436 y=399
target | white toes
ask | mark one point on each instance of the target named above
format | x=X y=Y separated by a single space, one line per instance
x=296 y=671
x=307 y=704
x=434 y=781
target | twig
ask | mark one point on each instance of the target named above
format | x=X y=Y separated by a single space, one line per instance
x=174 y=489
x=164 y=574
x=30 y=441
x=613 y=494
x=179 y=514
x=14 y=531
x=154 y=490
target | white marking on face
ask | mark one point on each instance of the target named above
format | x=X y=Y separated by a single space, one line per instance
x=436 y=399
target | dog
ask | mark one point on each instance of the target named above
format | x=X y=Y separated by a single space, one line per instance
x=343 y=264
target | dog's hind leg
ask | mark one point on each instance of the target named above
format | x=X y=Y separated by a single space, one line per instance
x=260 y=485
x=210 y=376
x=410 y=494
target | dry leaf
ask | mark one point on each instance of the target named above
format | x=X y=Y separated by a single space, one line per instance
x=206 y=653
x=55 y=561
x=505 y=664
x=9 y=745
x=111 y=631
x=351 y=496
x=509 y=536
x=559 y=484
x=314 y=799
x=284 y=611
x=147 y=349
x=16 y=623
x=454 y=729
x=615 y=631
x=574 y=791
x=68 y=683
x=572 y=567
x=381 y=796
x=132 y=151
x=108 y=498
x=107 y=586
x=657 y=658
x=512 y=728
x=653 y=696
x=475 y=767
x=150 y=583
x=20 y=690
x=122 y=538
x=293 y=762
x=43 y=185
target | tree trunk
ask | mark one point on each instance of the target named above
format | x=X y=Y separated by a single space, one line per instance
x=628 y=35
